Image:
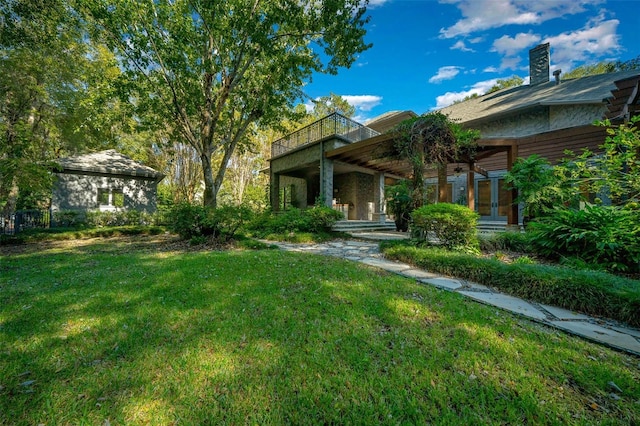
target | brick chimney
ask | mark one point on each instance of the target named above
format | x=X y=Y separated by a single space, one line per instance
x=539 y=64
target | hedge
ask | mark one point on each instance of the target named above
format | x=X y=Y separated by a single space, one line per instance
x=589 y=292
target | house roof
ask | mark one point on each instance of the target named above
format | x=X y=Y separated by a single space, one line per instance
x=108 y=162
x=385 y=122
x=595 y=89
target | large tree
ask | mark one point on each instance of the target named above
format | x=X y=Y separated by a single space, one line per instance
x=56 y=96
x=210 y=69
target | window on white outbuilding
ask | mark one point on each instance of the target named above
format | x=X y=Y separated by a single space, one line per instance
x=110 y=197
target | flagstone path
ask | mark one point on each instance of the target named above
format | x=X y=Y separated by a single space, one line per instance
x=605 y=332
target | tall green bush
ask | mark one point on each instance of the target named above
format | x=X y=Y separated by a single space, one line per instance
x=322 y=218
x=540 y=186
x=196 y=222
x=316 y=219
x=603 y=235
x=191 y=220
x=452 y=224
x=400 y=203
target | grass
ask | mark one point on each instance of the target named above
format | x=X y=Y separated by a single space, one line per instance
x=139 y=332
x=590 y=292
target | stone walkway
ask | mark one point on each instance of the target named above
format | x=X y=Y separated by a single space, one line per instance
x=607 y=333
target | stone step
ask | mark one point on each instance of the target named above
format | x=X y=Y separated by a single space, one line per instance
x=362 y=225
x=494 y=227
x=366 y=225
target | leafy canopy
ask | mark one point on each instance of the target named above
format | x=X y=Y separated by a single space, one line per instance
x=432 y=140
x=56 y=96
x=212 y=69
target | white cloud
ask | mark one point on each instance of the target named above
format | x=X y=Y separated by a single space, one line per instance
x=461 y=46
x=598 y=39
x=480 y=88
x=479 y=15
x=363 y=102
x=445 y=73
x=308 y=106
x=511 y=46
x=512 y=63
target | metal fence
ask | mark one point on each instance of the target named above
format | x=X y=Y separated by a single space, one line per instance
x=25 y=219
x=332 y=125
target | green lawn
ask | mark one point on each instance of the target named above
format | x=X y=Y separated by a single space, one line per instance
x=119 y=330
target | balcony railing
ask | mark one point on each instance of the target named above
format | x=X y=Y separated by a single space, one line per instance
x=331 y=125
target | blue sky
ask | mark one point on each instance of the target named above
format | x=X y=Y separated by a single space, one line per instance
x=428 y=53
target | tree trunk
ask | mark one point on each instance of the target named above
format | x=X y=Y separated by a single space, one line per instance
x=442 y=183
x=210 y=189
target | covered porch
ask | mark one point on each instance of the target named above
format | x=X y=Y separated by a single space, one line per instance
x=345 y=165
x=467 y=181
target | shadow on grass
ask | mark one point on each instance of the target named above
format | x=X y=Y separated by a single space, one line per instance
x=107 y=331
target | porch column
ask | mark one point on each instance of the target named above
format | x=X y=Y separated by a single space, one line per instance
x=274 y=191
x=326 y=179
x=378 y=198
x=512 y=212
x=471 y=193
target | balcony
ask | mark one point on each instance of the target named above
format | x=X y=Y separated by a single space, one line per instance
x=332 y=125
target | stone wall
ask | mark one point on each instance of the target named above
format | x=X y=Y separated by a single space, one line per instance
x=355 y=189
x=541 y=120
x=80 y=191
x=519 y=125
x=575 y=115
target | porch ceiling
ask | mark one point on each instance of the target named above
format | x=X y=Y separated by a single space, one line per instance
x=377 y=154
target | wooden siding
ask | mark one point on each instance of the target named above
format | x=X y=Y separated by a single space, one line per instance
x=551 y=145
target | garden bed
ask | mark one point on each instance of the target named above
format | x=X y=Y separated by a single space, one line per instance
x=591 y=292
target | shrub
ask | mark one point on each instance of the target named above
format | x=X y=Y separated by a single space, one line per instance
x=604 y=235
x=539 y=186
x=591 y=292
x=452 y=224
x=197 y=240
x=318 y=219
x=229 y=220
x=69 y=218
x=81 y=219
x=322 y=218
x=512 y=241
x=189 y=221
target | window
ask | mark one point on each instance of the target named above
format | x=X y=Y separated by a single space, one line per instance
x=117 y=198
x=110 y=198
x=103 y=197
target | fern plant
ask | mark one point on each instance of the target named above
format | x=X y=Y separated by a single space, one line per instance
x=603 y=235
